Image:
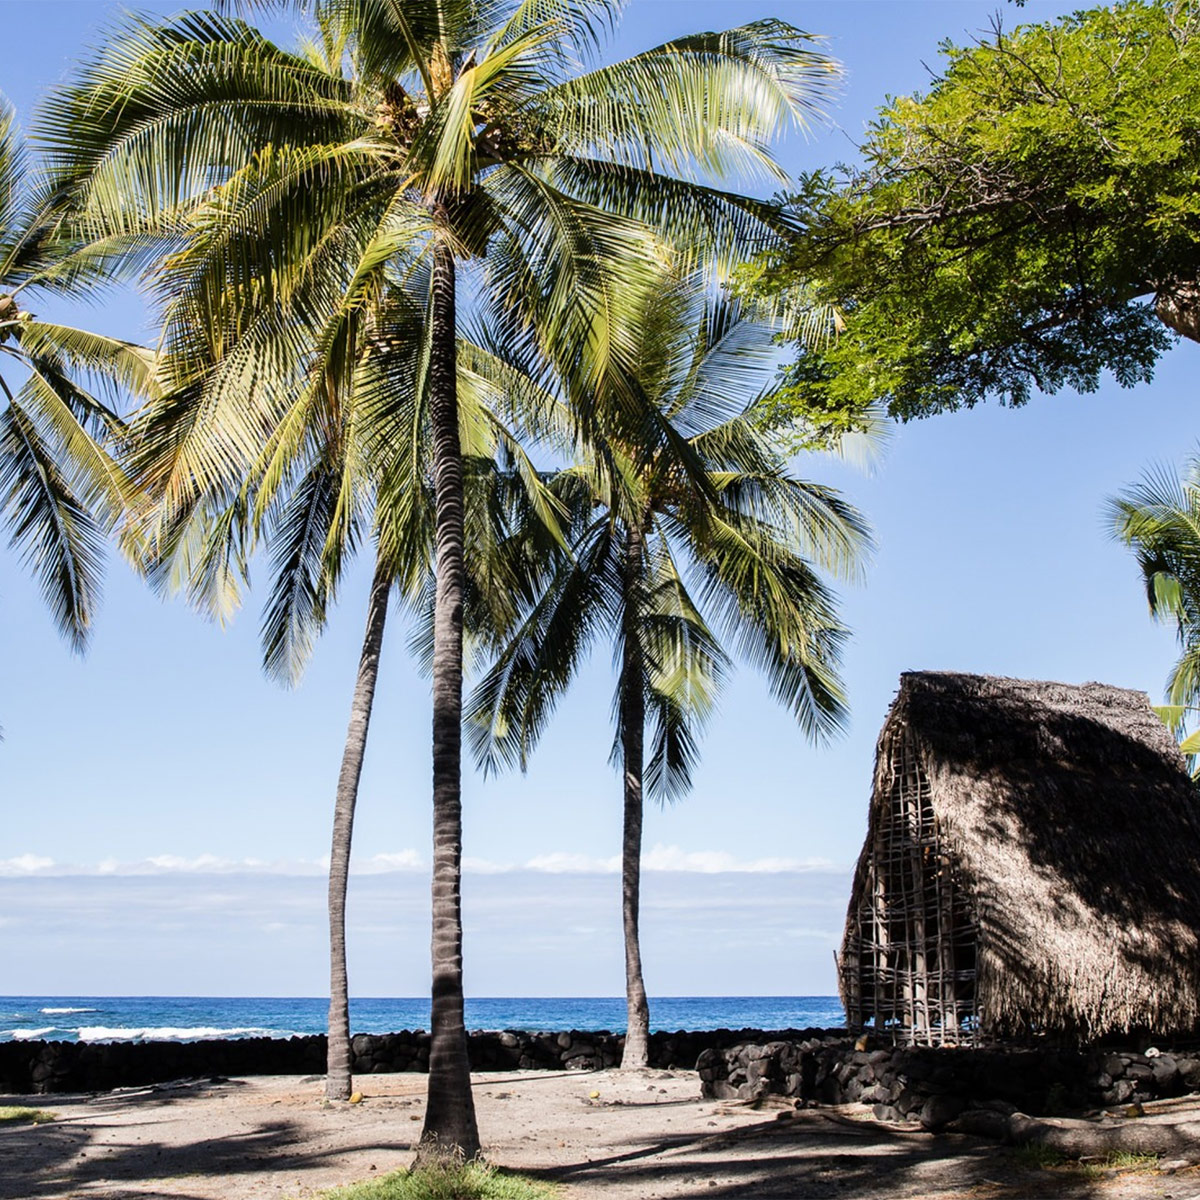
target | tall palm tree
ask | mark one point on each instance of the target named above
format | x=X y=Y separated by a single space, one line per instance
x=1159 y=519
x=461 y=138
x=60 y=489
x=662 y=559
x=360 y=469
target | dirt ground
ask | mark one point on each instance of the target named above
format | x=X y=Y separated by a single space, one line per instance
x=642 y=1137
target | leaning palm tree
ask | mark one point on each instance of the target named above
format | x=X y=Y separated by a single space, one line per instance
x=60 y=489
x=463 y=141
x=662 y=560
x=1159 y=519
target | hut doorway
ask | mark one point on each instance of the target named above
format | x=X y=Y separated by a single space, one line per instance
x=909 y=963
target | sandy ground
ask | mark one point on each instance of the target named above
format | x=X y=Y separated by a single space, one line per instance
x=643 y=1137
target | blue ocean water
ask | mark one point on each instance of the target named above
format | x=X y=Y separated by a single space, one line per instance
x=194 y=1018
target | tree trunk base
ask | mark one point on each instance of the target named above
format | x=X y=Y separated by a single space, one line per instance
x=636 y=1055
x=439 y=1152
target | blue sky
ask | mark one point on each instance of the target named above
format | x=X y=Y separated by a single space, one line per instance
x=166 y=809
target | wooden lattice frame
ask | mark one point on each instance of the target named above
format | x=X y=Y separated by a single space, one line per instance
x=909 y=962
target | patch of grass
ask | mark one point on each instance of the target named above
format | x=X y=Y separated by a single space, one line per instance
x=1035 y=1154
x=15 y=1115
x=1125 y=1160
x=1047 y=1158
x=474 y=1181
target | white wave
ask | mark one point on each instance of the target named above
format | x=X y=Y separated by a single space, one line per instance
x=166 y=1033
x=57 y=1011
x=26 y=1035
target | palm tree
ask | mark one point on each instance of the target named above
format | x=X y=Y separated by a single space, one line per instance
x=660 y=558
x=60 y=490
x=357 y=470
x=460 y=139
x=1159 y=518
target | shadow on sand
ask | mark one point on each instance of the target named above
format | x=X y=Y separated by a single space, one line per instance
x=71 y=1156
x=819 y=1157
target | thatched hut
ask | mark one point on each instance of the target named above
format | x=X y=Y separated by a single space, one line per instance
x=1032 y=866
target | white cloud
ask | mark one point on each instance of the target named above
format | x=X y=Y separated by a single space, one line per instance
x=25 y=864
x=213 y=864
x=484 y=866
x=561 y=862
x=664 y=858
x=161 y=864
x=203 y=863
x=379 y=864
x=714 y=862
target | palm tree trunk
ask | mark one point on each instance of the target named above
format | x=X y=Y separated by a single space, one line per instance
x=450 y=1130
x=633 y=725
x=338 y=1083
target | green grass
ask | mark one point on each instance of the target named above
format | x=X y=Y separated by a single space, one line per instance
x=1047 y=1158
x=1125 y=1160
x=475 y=1181
x=1037 y=1155
x=24 y=1116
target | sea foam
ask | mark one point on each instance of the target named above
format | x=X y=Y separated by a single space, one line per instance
x=59 y=1011
x=167 y=1033
x=27 y=1035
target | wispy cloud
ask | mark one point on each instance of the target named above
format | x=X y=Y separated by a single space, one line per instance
x=25 y=864
x=528 y=932
x=715 y=862
x=160 y=864
x=562 y=862
x=381 y=864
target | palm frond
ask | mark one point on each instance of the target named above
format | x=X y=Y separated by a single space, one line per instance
x=163 y=110
x=579 y=25
x=781 y=616
x=705 y=225
x=12 y=181
x=301 y=589
x=49 y=525
x=709 y=103
x=125 y=369
x=509 y=709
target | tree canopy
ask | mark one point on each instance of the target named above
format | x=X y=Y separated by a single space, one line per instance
x=1033 y=221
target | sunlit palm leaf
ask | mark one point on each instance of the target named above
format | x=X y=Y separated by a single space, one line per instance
x=49 y=525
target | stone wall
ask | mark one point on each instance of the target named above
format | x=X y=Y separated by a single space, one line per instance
x=806 y=1066
x=37 y=1067
x=934 y=1085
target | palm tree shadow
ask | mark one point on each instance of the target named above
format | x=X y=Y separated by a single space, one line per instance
x=818 y=1158
x=66 y=1160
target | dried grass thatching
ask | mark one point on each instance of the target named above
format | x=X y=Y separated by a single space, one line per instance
x=1070 y=819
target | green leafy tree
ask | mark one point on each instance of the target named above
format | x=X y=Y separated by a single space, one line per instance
x=60 y=490
x=463 y=139
x=1030 y=222
x=1159 y=519
x=706 y=542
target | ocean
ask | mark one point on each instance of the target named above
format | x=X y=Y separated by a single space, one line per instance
x=196 y=1018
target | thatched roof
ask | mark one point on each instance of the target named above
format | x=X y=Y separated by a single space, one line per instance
x=1072 y=818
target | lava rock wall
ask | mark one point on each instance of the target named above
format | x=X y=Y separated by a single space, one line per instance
x=934 y=1085
x=39 y=1067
